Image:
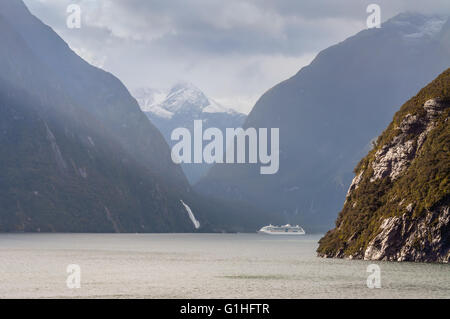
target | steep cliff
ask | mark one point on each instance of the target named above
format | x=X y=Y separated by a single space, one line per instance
x=77 y=154
x=397 y=207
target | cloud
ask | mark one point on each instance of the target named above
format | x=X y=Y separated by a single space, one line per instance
x=234 y=50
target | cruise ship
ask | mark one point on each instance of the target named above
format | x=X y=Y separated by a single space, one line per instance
x=282 y=230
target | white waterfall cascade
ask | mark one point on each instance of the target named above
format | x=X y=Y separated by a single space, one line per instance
x=191 y=215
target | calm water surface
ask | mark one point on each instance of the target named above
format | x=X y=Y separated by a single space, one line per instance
x=199 y=266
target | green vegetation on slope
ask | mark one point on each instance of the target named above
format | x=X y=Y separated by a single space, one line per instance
x=423 y=185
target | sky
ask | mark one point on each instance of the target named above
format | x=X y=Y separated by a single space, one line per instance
x=233 y=50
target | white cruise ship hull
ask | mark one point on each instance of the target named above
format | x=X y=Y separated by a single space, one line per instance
x=281 y=233
x=286 y=230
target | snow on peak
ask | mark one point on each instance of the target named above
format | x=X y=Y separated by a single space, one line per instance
x=148 y=98
x=184 y=86
x=182 y=98
x=416 y=26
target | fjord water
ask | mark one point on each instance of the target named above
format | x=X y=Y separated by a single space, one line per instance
x=200 y=266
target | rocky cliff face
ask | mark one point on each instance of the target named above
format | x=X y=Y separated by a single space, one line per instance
x=397 y=207
x=402 y=239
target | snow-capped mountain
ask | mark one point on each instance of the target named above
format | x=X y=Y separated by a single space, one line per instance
x=182 y=98
x=181 y=105
x=148 y=98
x=185 y=97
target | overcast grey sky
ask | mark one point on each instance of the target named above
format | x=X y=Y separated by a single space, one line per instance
x=233 y=50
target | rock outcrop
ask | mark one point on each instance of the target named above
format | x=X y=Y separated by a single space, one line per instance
x=403 y=239
x=393 y=158
x=397 y=207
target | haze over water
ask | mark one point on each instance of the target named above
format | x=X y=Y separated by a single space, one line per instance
x=200 y=266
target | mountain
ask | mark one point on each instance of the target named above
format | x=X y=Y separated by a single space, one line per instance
x=328 y=114
x=78 y=155
x=398 y=205
x=183 y=104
